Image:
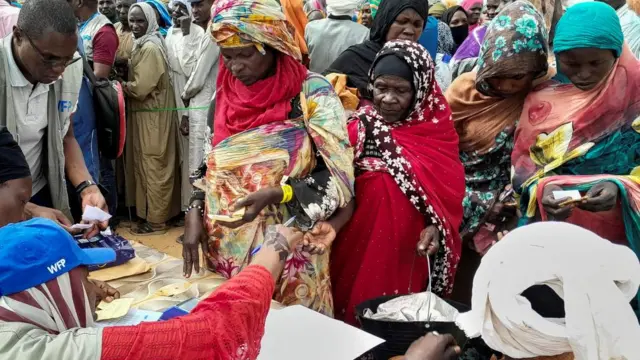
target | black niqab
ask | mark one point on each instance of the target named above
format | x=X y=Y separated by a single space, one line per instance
x=356 y=61
x=447 y=15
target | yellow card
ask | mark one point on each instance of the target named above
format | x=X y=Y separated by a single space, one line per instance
x=113 y=310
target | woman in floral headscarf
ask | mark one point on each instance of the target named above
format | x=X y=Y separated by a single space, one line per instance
x=409 y=186
x=280 y=148
x=486 y=107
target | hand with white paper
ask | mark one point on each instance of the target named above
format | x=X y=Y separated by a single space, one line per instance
x=97 y=218
x=553 y=206
x=91 y=196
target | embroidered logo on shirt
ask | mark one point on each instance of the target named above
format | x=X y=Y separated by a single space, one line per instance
x=64 y=106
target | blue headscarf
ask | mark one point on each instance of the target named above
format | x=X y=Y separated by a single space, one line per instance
x=164 y=14
x=589 y=25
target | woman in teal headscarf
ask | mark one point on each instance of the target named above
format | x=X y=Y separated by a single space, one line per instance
x=584 y=135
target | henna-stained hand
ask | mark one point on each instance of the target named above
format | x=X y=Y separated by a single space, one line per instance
x=278 y=242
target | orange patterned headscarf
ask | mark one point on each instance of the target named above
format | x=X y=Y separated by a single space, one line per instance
x=241 y=23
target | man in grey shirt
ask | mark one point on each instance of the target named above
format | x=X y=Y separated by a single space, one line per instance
x=328 y=38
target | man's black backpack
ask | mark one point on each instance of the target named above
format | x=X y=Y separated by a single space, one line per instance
x=108 y=105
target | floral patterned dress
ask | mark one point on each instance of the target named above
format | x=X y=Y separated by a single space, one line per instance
x=486 y=176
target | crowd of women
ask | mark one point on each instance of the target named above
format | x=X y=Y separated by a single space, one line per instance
x=410 y=157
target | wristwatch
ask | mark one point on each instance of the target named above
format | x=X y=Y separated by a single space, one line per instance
x=83 y=185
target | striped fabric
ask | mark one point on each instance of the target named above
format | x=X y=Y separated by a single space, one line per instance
x=54 y=306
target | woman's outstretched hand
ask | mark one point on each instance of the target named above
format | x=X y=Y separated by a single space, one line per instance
x=429 y=242
x=317 y=240
x=253 y=204
x=279 y=242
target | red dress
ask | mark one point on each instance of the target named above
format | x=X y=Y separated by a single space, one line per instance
x=229 y=324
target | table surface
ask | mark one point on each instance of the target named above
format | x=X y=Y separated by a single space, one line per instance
x=164 y=285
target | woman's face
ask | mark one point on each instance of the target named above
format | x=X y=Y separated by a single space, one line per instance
x=392 y=97
x=138 y=22
x=492 y=9
x=247 y=64
x=14 y=195
x=458 y=19
x=587 y=67
x=407 y=26
x=509 y=86
x=365 y=15
x=474 y=13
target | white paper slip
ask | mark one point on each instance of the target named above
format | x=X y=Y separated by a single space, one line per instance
x=133 y=317
x=302 y=328
x=81 y=226
x=92 y=213
x=573 y=194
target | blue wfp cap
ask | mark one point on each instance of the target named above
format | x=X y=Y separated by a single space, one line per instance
x=36 y=251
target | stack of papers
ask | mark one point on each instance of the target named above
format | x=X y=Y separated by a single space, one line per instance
x=302 y=329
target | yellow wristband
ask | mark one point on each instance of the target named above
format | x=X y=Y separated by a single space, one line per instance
x=287 y=194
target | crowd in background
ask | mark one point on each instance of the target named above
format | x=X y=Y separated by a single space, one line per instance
x=405 y=139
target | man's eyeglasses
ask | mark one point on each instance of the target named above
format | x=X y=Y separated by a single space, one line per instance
x=49 y=60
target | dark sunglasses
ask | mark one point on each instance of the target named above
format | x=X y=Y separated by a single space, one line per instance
x=49 y=60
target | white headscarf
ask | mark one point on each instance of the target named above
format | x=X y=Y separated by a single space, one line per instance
x=153 y=31
x=342 y=7
x=173 y=3
x=595 y=278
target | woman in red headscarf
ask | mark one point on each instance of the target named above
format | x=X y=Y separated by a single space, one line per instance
x=409 y=187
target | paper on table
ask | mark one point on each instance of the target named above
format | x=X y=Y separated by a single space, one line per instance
x=92 y=213
x=113 y=310
x=133 y=317
x=573 y=194
x=302 y=328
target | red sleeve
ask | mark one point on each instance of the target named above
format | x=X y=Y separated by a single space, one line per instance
x=105 y=45
x=229 y=321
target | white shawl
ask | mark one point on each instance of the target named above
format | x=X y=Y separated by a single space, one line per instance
x=595 y=277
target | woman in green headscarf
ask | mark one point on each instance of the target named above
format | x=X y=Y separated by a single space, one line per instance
x=437 y=10
x=585 y=135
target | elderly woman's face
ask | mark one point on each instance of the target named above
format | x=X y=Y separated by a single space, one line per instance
x=408 y=25
x=392 y=97
x=586 y=68
x=474 y=13
x=365 y=15
x=247 y=64
x=14 y=195
x=138 y=22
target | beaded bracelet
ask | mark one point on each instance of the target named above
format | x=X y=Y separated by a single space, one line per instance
x=197 y=206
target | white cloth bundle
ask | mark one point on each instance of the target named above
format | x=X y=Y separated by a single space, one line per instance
x=596 y=279
x=342 y=7
x=423 y=306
